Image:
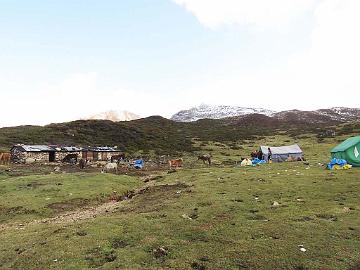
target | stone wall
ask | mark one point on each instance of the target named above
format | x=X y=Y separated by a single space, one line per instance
x=21 y=157
x=59 y=156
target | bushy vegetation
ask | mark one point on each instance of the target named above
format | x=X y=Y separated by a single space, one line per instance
x=159 y=134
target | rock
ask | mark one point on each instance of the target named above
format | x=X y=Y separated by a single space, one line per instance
x=57 y=169
x=185 y=216
x=198 y=266
x=160 y=252
x=204 y=258
x=275 y=204
x=302 y=249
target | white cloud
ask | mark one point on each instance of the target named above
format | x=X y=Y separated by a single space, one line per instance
x=264 y=14
x=76 y=96
x=323 y=75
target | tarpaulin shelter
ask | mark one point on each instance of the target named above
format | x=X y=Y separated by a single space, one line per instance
x=282 y=153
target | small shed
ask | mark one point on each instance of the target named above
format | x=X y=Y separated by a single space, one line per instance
x=102 y=153
x=282 y=153
x=348 y=150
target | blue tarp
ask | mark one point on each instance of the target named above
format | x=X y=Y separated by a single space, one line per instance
x=139 y=164
x=256 y=161
x=335 y=161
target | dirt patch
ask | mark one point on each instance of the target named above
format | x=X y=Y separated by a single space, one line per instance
x=31 y=185
x=98 y=256
x=18 y=210
x=118 y=242
x=152 y=198
x=68 y=205
x=329 y=217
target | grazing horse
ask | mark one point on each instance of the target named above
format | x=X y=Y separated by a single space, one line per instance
x=82 y=163
x=205 y=158
x=5 y=158
x=175 y=163
x=117 y=158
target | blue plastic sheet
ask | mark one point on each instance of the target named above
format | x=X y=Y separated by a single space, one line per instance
x=335 y=161
x=256 y=161
x=139 y=164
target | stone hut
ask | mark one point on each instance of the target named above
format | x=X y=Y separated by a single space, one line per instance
x=41 y=153
x=103 y=153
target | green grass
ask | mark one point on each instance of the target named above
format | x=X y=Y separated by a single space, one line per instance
x=203 y=218
x=38 y=196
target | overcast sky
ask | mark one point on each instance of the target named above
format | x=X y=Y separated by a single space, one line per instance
x=65 y=59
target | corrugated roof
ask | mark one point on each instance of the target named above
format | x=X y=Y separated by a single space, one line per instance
x=103 y=149
x=290 y=149
x=346 y=144
x=71 y=149
x=37 y=148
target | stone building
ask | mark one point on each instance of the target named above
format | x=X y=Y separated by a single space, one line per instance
x=41 y=153
x=99 y=153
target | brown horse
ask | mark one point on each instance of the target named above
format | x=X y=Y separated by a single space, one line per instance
x=175 y=163
x=82 y=163
x=5 y=158
x=205 y=158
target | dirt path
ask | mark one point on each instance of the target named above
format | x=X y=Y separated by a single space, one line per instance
x=73 y=216
x=83 y=213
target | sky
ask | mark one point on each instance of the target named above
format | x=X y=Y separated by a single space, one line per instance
x=61 y=60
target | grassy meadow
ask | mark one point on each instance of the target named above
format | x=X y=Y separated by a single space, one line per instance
x=292 y=215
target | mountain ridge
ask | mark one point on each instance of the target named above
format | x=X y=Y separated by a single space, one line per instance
x=330 y=115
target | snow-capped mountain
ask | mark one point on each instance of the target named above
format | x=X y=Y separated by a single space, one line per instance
x=216 y=112
x=114 y=116
x=336 y=114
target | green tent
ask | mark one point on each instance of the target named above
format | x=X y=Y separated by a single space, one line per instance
x=348 y=150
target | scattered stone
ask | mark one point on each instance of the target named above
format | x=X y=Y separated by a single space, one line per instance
x=185 y=216
x=57 y=169
x=302 y=249
x=204 y=258
x=275 y=204
x=198 y=266
x=81 y=233
x=160 y=252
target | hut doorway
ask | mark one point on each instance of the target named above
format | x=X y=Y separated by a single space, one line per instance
x=51 y=156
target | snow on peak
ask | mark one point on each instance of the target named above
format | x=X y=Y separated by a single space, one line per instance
x=205 y=111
